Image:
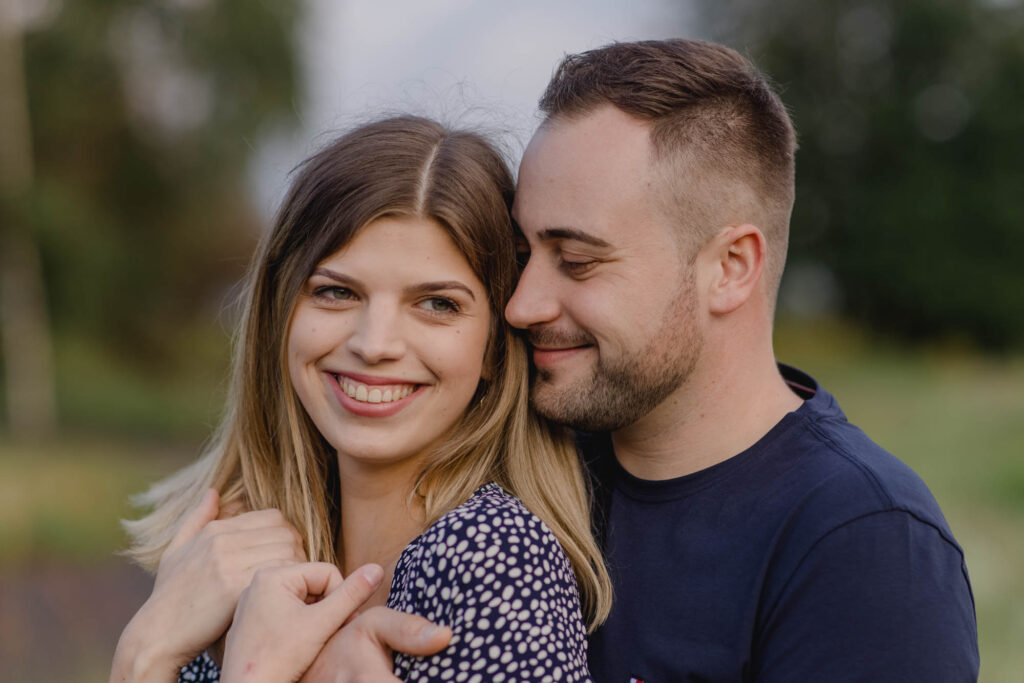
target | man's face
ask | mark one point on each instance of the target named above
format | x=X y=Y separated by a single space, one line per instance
x=607 y=297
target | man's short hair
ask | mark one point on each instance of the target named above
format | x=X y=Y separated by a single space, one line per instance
x=722 y=138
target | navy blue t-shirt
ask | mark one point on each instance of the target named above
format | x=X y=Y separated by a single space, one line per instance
x=812 y=556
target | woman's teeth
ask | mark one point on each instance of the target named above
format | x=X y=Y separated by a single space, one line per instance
x=375 y=394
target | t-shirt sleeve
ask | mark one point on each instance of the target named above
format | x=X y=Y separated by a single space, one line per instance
x=884 y=597
x=501 y=581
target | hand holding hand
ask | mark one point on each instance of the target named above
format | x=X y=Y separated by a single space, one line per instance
x=361 y=650
x=286 y=615
x=201 y=576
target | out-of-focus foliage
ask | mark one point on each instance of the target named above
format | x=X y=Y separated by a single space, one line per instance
x=910 y=174
x=144 y=113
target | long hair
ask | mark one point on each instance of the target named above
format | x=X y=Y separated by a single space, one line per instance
x=267 y=451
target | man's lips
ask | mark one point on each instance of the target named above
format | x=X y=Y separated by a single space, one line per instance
x=546 y=357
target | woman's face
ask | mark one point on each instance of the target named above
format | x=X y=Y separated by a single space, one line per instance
x=387 y=341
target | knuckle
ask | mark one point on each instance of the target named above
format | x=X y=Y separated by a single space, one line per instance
x=261 y=577
x=218 y=544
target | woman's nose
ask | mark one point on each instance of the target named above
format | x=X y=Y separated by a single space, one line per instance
x=378 y=335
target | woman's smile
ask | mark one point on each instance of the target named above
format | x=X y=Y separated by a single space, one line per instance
x=387 y=340
x=368 y=399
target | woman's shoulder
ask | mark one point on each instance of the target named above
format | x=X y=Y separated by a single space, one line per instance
x=493 y=571
x=492 y=522
x=490 y=538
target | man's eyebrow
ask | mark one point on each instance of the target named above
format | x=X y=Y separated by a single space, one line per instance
x=572 y=234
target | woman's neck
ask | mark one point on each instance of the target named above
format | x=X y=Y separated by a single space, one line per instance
x=379 y=518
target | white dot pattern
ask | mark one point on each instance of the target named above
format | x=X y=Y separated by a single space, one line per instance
x=495 y=574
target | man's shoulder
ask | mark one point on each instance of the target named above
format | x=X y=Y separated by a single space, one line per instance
x=821 y=474
x=813 y=467
x=841 y=468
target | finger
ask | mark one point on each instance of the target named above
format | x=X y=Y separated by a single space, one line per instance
x=254 y=538
x=281 y=540
x=343 y=597
x=318 y=578
x=404 y=632
x=258 y=519
x=256 y=557
x=204 y=513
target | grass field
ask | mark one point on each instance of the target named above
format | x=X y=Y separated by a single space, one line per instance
x=955 y=416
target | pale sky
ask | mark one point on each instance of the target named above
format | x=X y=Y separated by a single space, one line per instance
x=468 y=62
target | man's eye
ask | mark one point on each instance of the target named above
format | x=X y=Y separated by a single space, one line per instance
x=577 y=267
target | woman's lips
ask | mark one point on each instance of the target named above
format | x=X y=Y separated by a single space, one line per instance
x=367 y=397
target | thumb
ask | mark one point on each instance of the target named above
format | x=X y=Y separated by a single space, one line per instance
x=341 y=600
x=404 y=632
x=203 y=514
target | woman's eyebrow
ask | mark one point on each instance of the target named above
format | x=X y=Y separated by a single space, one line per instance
x=336 y=276
x=441 y=285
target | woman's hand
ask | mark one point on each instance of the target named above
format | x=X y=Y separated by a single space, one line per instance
x=201 y=576
x=286 y=615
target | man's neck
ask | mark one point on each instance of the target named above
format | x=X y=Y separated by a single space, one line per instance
x=721 y=410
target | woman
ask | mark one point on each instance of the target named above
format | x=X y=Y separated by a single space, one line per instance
x=378 y=413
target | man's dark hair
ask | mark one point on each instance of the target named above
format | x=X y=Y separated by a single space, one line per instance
x=722 y=134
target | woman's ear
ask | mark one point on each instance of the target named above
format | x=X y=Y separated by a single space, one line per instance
x=737 y=261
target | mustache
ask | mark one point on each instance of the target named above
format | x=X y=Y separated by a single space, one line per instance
x=556 y=338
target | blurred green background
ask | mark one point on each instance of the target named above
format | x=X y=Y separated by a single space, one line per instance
x=128 y=130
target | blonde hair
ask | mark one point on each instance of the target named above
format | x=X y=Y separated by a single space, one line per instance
x=267 y=452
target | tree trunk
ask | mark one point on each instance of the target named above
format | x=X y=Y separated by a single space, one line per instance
x=24 y=323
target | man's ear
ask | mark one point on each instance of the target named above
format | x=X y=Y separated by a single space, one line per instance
x=737 y=259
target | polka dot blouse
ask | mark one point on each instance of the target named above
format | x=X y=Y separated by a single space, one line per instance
x=497 y=576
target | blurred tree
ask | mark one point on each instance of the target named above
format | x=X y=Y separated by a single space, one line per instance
x=24 y=324
x=910 y=185
x=144 y=114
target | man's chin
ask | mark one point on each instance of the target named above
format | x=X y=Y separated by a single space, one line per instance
x=565 y=406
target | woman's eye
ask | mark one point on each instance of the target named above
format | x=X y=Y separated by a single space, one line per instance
x=439 y=304
x=333 y=293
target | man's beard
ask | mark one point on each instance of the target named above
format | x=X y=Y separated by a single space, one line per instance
x=620 y=391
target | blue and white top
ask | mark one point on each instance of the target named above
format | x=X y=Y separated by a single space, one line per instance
x=495 y=574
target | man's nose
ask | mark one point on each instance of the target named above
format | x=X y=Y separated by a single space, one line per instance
x=378 y=335
x=535 y=299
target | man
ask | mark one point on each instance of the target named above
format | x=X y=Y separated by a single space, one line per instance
x=751 y=532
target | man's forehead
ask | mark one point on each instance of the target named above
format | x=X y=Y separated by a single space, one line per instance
x=587 y=174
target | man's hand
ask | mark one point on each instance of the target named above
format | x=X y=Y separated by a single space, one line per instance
x=286 y=615
x=361 y=651
x=203 y=571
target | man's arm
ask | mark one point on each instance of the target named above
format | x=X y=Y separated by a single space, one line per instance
x=884 y=597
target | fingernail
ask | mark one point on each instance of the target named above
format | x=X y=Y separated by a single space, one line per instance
x=430 y=630
x=373 y=574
